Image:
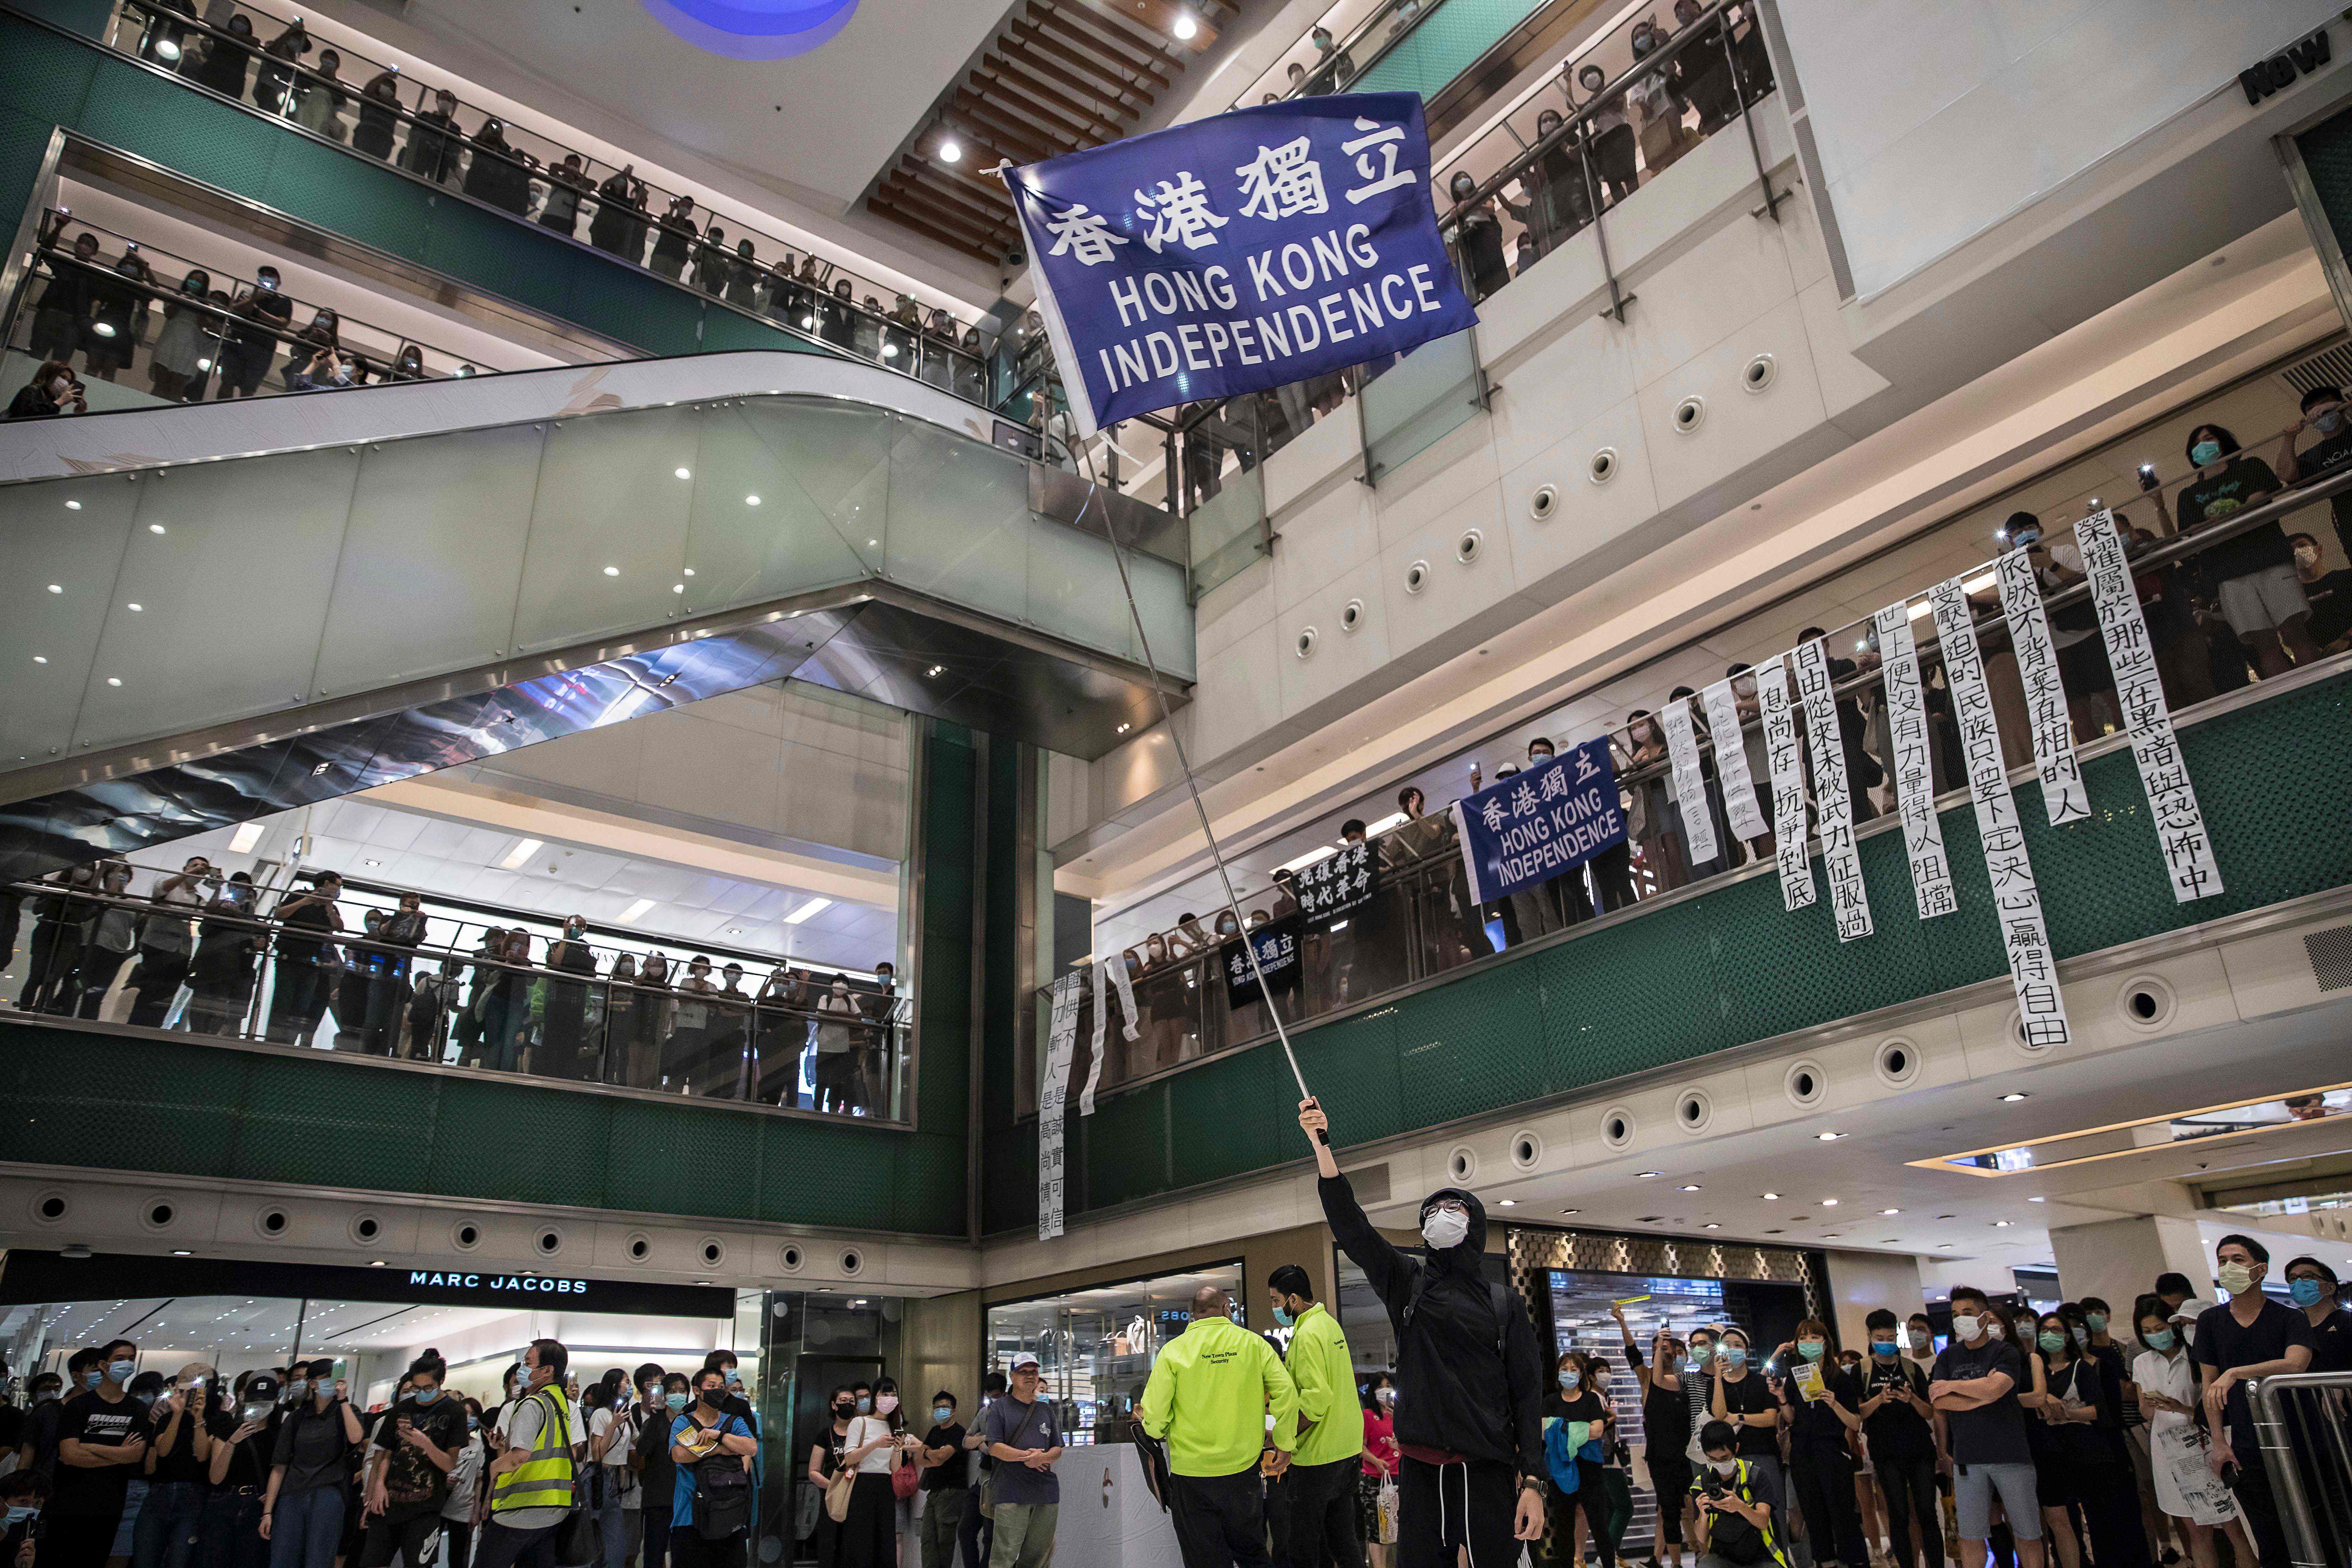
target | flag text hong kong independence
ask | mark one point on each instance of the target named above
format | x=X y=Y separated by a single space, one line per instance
x=1237 y=253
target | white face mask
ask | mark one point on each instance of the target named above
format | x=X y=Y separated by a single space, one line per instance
x=1965 y=1327
x=1442 y=1228
x=1725 y=1467
x=1993 y=1328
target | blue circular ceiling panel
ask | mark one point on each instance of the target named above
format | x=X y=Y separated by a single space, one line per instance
x=753 y=29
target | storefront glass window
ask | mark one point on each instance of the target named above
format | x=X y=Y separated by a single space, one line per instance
x=1094 y=1346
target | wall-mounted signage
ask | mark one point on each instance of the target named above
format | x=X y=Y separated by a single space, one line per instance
x=43 y=1277
x=2277 y=73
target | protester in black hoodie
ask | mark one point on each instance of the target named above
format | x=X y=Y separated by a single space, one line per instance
x=1470 y=1382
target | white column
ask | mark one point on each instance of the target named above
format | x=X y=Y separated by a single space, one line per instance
x=2118 y=1259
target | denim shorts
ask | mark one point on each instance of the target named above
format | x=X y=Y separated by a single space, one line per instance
x=1972 y=1488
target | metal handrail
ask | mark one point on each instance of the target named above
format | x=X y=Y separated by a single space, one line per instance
x=2265 y=1398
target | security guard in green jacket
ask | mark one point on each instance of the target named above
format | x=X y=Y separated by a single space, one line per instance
x=1210 y=1394
x=1320 y=1475
x=532 y=1480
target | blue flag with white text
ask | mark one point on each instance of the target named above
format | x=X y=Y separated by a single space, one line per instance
x=1538 y=825
x=1238 y=253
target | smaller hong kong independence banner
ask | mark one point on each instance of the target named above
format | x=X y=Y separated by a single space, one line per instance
x=1535 y=825
x=1237 y=253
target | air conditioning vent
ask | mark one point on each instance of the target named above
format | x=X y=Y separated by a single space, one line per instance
x=2328 y=367
x=2330 y=953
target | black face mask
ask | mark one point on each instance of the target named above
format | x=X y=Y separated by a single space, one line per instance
x=845 y=1410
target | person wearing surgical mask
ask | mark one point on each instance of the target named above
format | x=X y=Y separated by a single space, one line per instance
x=1820 y=1425
x=1574 y=1516
x=1743 y=1397
x=2165 y=1376
x=1654 y=822
x=2248 y=1335
x=2253 y=575
x=1760 y=757
x=102 y=1439
x=1976 y=1383
x=840 y=1085
x=1478 y=232
x=1469 y=1376
x=1736 y=1514
x=565 y=1050
x=1897 y=1424
x=939 y=1456
x=2329 y=418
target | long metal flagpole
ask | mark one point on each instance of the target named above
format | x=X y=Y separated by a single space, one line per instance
x=1192 y=784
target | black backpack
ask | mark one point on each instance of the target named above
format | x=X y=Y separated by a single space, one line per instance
x=722 y=1496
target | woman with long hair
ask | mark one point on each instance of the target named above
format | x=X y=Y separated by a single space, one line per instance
x=828 y=1457
x=310 y=1474
x=872 y=1449
x=1381 y=1459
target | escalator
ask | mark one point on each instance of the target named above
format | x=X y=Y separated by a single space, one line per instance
x=222 y=612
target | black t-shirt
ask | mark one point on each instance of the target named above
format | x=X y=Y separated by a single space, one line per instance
x=1991 y=1433
x=1582 y=1405
x=2223 y=1342
x=656 y=1472
x=2239 y=484
x=1897 y=1433
x=1750 y=1396
x=1812 y=1423
x=77 y=1492
x=2330 y=597
x=940 y=1478
x=409 y=1476
x=2331 y=1342
x=2322 y=458
x=177 y=1462
x=249 y=1462
x=12 y=1426
x=41 y=1429
x=312 y=1446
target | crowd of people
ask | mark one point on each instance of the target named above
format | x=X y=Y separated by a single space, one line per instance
x=292 y=75
x=200 y=338
x=1597 y=149
x=2258 y=605
x=282 y=1467
x=199 y=953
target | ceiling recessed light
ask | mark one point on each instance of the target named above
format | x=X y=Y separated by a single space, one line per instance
x=1571 y=1211
x=612 y=570
x=133 y=606
x=806 y=910
x=1829 y=1203
x=734 y=931
x=1186 y=28
x=2000 y=1225
x=40 y=659
x=1771 y=1197
x=688 y=571
x=1828 y=1137
x=376 y=1263
x=1645 y=1175
x=1710 y=1225
x=2013 y=1096
x=370 y=862
x=154 y=527
x=1948 y=1216
x=2037 y=1200
x=751 y=501
x=1890 y=1211
x=950 y=151
x=73 y=506
x=677 y=587
x=113 y=680
x=685 y=473
x=1942 y=1246
x=521 y=852
x=1510 y=1203
x=935 y=669
x=1123 y=728
x=56 y=588
x=247 y=836
x=185 y=1252
x=1687 y=1187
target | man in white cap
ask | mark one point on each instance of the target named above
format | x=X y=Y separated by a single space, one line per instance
x=1022 y=1432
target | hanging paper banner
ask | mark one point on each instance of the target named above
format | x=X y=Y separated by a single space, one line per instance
x=2062 y=795
x=1832 y=801
x=1237 y=253
x=1061 y=1041
x=1335 y=887
x=1913 y=764
x=2032 y=969
x=2163 y=772
x=1690 y=780
x=1786 y=754
x=1731 y=774
x=1117 y=967
x=1526 y=829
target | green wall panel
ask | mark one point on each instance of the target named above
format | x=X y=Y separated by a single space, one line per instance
x=333 y=1127
x=85 y=17
x=1728 y=966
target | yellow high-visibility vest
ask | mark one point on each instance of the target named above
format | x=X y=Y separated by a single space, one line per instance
x=543 y=1480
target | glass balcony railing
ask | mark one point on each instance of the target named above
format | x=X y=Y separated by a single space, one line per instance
x=273 y=64
x=1623 y=109
x=1420 y=922
x=202 y=955
x=135 y=313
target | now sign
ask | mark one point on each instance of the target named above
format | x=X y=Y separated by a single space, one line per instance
x=1238 y=253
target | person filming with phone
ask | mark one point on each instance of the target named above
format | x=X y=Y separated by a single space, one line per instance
x=1736 y=1525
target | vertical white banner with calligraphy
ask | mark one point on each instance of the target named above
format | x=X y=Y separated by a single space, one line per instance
x=1913 y=764
x=1731 y=774
x=1786 y=754
x=2148 y=719
x=1053 y=1096
x=1832 y=801
x=2062 y=795
x=2032 y=969
x=1690 y=780
x=1117 y=967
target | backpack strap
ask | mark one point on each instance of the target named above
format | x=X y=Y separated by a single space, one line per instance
x=1499 y=1299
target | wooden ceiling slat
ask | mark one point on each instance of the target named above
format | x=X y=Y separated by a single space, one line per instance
x=1086 y=126
x=1041 y=81
x=965 y=203
x=1028 y=141
x=1143 y=40
x=1098 y=34
x=916 y=222
x=1116 y=85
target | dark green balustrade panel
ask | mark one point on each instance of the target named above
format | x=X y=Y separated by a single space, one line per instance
x=48 y=79
x=1727 y=967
